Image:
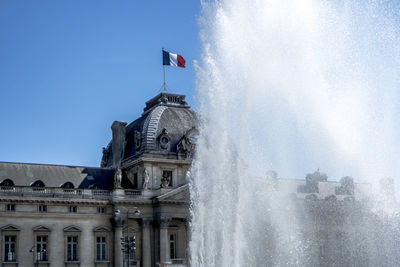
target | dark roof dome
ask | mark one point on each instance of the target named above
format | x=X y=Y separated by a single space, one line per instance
x=166 y=120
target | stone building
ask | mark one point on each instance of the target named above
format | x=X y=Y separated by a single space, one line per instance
x=53 y=215
x=133 y=209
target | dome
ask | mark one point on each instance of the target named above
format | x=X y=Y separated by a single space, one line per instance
x=166 y=128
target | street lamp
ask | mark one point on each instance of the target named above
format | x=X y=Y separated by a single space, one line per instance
x=128 y=245
x=38 y=255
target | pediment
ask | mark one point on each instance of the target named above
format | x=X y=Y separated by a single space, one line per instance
x=180 y=194
x=41 y=228
x=102 y=229
x=10 y=227
x=72 y=228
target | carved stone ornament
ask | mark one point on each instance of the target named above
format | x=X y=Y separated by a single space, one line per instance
x=188 y=142
x=147 y=223
x=163 y=222
x=346 y=186
x=164 y=139
x=138 y=140
x=312 y=181
x=118 y=179
x=146 y=178
x=104 y=159
x=165 y=180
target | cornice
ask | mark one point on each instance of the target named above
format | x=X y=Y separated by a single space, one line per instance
x=127 y=164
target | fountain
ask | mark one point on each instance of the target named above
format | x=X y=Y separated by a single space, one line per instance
x=293 y=86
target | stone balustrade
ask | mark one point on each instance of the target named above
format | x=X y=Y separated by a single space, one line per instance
x=56 y=192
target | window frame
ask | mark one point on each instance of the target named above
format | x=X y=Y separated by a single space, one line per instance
x=101 y=248
x=73 y=209
x=72 y=254
x=42 y=208
x=103 y=231
x=10 y=207
x=72 y=231
x=14 y=243
x=101 y=210
x=38 y=251
x=172 y=245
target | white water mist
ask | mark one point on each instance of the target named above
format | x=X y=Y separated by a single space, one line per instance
x=288 y=85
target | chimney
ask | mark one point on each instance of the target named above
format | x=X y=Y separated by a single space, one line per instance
x=118 y=142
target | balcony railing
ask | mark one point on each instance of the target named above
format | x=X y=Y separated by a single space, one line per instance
x=64 y=192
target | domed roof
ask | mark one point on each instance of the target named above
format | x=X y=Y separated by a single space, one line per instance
x=167 y=120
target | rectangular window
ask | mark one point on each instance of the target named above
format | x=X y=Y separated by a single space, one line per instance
x=41 y=248
x=101 y=210
x=172 y=246
x=9 y=247
x=168 y=174
x=72 y=248
x=73 y=209
x=10 y=207
x=101 y=248
x=42 y=208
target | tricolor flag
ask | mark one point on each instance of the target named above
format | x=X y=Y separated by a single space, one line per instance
x=171 y=59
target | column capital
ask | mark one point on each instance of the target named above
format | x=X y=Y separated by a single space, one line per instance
x=147 y=222
x=117 y=221
x=163 y=221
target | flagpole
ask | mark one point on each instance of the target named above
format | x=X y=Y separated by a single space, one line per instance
x=164 y=84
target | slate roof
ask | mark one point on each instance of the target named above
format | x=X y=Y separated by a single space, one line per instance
x=165 y=111
x=24 y=174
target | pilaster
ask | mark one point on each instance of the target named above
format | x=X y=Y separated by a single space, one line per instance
x=164 y=242
x=146 y=242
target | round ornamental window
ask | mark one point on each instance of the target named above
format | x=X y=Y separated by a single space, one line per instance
x=164 y=140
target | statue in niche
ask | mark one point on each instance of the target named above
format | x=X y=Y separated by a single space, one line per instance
x=165 y=180
x=146 y=178
x=118 y=179
x=104 y=159
x=138 y=140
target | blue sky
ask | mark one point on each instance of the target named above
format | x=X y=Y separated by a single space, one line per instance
x=68 y=69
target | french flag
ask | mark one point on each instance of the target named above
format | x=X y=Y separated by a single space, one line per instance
x=170 y=59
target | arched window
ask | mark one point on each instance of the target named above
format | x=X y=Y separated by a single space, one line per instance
x=67 y=185
x=38 y=183
x=96 y=186
x=7 y=182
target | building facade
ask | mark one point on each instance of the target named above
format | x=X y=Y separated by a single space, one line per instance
x=133 y=210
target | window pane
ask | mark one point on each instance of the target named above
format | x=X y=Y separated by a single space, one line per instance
x=103 y=251
x=98 y=252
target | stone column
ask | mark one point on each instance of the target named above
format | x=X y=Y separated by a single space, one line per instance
x=164 y=241
x=146 y=243
x=118 y=255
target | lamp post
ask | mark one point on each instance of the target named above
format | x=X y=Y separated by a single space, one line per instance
x=128 y=245
x=38 y=255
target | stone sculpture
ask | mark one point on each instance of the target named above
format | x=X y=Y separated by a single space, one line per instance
x=118 y=179
x=165 y=180
x=146 y=178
